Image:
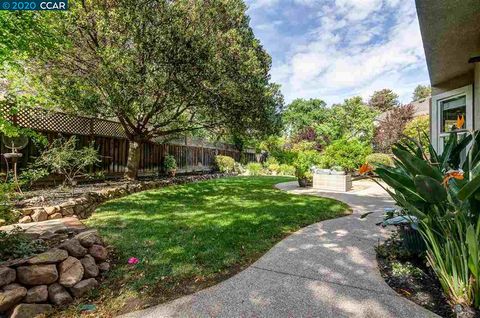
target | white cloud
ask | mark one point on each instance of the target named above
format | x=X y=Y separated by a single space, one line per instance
x=354 y=47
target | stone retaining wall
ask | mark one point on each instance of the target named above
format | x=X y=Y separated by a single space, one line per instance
x=84 y=206
x=31 y=286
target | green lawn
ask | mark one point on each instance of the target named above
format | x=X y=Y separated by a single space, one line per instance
x=191 y=236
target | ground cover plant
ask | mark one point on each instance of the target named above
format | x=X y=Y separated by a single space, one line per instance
x=191 y=236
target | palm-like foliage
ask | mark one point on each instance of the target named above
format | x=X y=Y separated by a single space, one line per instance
x=443 y=192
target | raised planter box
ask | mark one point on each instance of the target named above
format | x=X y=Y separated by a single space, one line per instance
x=335 y=182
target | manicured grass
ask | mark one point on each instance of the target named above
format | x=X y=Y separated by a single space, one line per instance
x=191 y=236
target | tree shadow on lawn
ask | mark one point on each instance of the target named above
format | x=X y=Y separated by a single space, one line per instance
x=193 y=236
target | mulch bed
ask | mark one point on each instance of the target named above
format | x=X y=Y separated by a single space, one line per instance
x=423 y=288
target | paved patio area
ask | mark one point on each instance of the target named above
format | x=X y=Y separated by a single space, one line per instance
x=327 y=269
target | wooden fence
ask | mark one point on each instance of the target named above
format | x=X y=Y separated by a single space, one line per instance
x=112 y=144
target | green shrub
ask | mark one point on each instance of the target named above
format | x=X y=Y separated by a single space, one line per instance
x=62 y=157
x=16 y=244
x=224 y=164
x=379 y=158
x=304 y=162
x=32 y=174
x=286 y=170
x=419 y=129
x=6 y=213
x=346 y=153
x=254 y=168
x=170 y=164
x=272 y=165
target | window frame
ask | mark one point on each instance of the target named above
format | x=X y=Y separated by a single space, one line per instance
x=436 y=116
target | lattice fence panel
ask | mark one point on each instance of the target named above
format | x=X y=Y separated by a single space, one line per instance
x=38 y=119
x=108 y=128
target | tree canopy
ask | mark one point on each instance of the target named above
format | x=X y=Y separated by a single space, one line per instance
x=162 y=68
x=353 y=118
x=383 y=100
x=302 y=113
x=421 y=92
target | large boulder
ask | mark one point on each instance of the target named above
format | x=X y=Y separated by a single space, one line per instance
x=84 y=286
x=90 y=268
x=58 y=295
x=89 y=238
x=30 y=310
x=70 y=271
x=74 y=248
x=37 y=294
x=98 y=252
x=39 y=215
x=52 y=256
x=11 y=297
x=37 y=274
x=7 y=275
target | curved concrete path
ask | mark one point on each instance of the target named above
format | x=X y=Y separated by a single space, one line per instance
x=327 y=269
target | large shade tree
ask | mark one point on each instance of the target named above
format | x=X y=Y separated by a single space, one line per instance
x=162 y=67
x=22 y=34
x=302 y=113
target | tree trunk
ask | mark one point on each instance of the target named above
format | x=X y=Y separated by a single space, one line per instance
x=133 y=161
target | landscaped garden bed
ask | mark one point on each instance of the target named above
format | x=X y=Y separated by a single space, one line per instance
x=188 y=237
x=409 y=275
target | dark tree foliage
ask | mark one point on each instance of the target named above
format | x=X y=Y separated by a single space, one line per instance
x=391 y=126
x=383 y=100
x=162 y=68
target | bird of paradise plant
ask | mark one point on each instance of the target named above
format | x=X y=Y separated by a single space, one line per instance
x=443 y=192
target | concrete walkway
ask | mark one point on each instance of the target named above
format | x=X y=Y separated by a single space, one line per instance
x=325 y=270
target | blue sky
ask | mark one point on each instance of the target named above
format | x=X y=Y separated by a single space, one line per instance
x=335 y=49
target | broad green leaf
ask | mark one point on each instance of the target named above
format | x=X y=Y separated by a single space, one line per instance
x=430 y=189
x=469 y=189
x=416 y=165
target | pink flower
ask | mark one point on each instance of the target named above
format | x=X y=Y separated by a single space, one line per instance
x=133 y=260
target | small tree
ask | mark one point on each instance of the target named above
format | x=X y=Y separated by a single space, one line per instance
x=383 y=100
x=390 y=129
x=421 y=92
x=63 y=157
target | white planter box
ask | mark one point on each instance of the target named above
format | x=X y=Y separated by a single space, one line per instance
x=336 y=182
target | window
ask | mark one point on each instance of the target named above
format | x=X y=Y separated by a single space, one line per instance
x=445 y=110
x=451 y=110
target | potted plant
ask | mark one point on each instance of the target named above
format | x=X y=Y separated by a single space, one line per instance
x=303 y=163
x=170 y=165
